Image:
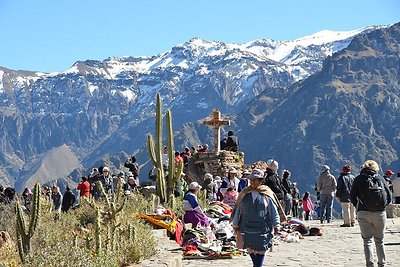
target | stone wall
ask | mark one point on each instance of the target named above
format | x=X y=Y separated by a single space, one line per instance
x=202 y=163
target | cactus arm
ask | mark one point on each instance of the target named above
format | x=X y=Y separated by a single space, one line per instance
x=161 y=185
x=150 y=149
x=159 y=147
x=171 y=155
x=178 y=171
x=20 y=219
x=97 y=232
x=35 y=210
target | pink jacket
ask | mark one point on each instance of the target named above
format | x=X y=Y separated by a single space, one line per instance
x=308 y=205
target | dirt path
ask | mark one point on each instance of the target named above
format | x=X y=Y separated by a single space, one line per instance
x=337 y=247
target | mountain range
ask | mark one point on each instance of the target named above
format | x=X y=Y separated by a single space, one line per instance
x=328 y=98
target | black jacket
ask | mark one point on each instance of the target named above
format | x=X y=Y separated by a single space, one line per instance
x=273 y=181
x=361 y=185
x=68 y=201
x=344 y=185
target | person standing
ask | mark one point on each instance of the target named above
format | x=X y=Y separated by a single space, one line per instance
x=68 y=200
x=388 y=178
x=344 y=184
x=256 y=217
x=56 y=197
x=287 y=184
x=326 y=185
x=295 y=199
x=133 y=167
x=244 y=181
x=371 y=195
x=396 y=189
x=308 y=205
x=272 y=179
x=84 y=187
x=231 y=181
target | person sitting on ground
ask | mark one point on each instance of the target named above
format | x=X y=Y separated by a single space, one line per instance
x=232 y=142
x=203 y=149
x=193 y=212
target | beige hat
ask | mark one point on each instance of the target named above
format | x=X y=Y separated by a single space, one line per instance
x=194 y=186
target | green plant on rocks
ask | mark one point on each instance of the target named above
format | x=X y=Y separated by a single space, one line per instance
x=24 y=233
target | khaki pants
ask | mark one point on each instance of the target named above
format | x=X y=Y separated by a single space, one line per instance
x=349 y=212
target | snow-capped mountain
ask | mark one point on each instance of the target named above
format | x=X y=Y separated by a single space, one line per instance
x=100 y=107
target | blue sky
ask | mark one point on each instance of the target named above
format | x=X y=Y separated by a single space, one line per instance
x=49 y=35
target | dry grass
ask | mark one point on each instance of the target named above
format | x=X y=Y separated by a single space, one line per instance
x=69 y=240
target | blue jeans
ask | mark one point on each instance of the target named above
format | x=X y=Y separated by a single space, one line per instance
x=372 y=224
x=326 y=204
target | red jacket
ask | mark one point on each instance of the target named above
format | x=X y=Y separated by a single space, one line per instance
x=84 y=188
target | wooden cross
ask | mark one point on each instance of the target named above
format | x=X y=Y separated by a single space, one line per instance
x=216 y=122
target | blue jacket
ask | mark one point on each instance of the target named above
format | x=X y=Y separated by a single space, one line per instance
x=256 y=215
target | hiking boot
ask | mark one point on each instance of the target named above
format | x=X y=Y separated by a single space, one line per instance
x=352 y=224
x=345 y=225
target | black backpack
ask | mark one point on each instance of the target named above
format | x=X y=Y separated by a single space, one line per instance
x=374 y=197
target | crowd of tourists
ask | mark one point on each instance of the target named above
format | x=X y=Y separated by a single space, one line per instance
x=260 y=200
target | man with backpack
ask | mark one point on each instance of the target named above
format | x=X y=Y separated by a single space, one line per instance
x=371 y=195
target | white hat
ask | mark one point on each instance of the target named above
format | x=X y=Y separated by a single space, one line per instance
x=194 y=186
x=325 y=168
x=129 y=174
x=208 y=175
x=256 y=174
x=272 y=164
x=246 y=172
x=232 y=170
x=106 y=169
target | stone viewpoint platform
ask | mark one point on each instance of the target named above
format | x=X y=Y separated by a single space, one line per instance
x=338 y=246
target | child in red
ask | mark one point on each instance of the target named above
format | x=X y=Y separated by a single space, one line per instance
x=307 y=205
x=230 y=197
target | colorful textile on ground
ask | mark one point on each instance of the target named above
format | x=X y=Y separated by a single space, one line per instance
x=168 y=220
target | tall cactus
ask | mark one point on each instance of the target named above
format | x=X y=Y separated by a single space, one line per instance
x=165 y=189
x=155 y=151
x=24 y=236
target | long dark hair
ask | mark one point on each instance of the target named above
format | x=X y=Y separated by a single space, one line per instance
x=306 y=195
